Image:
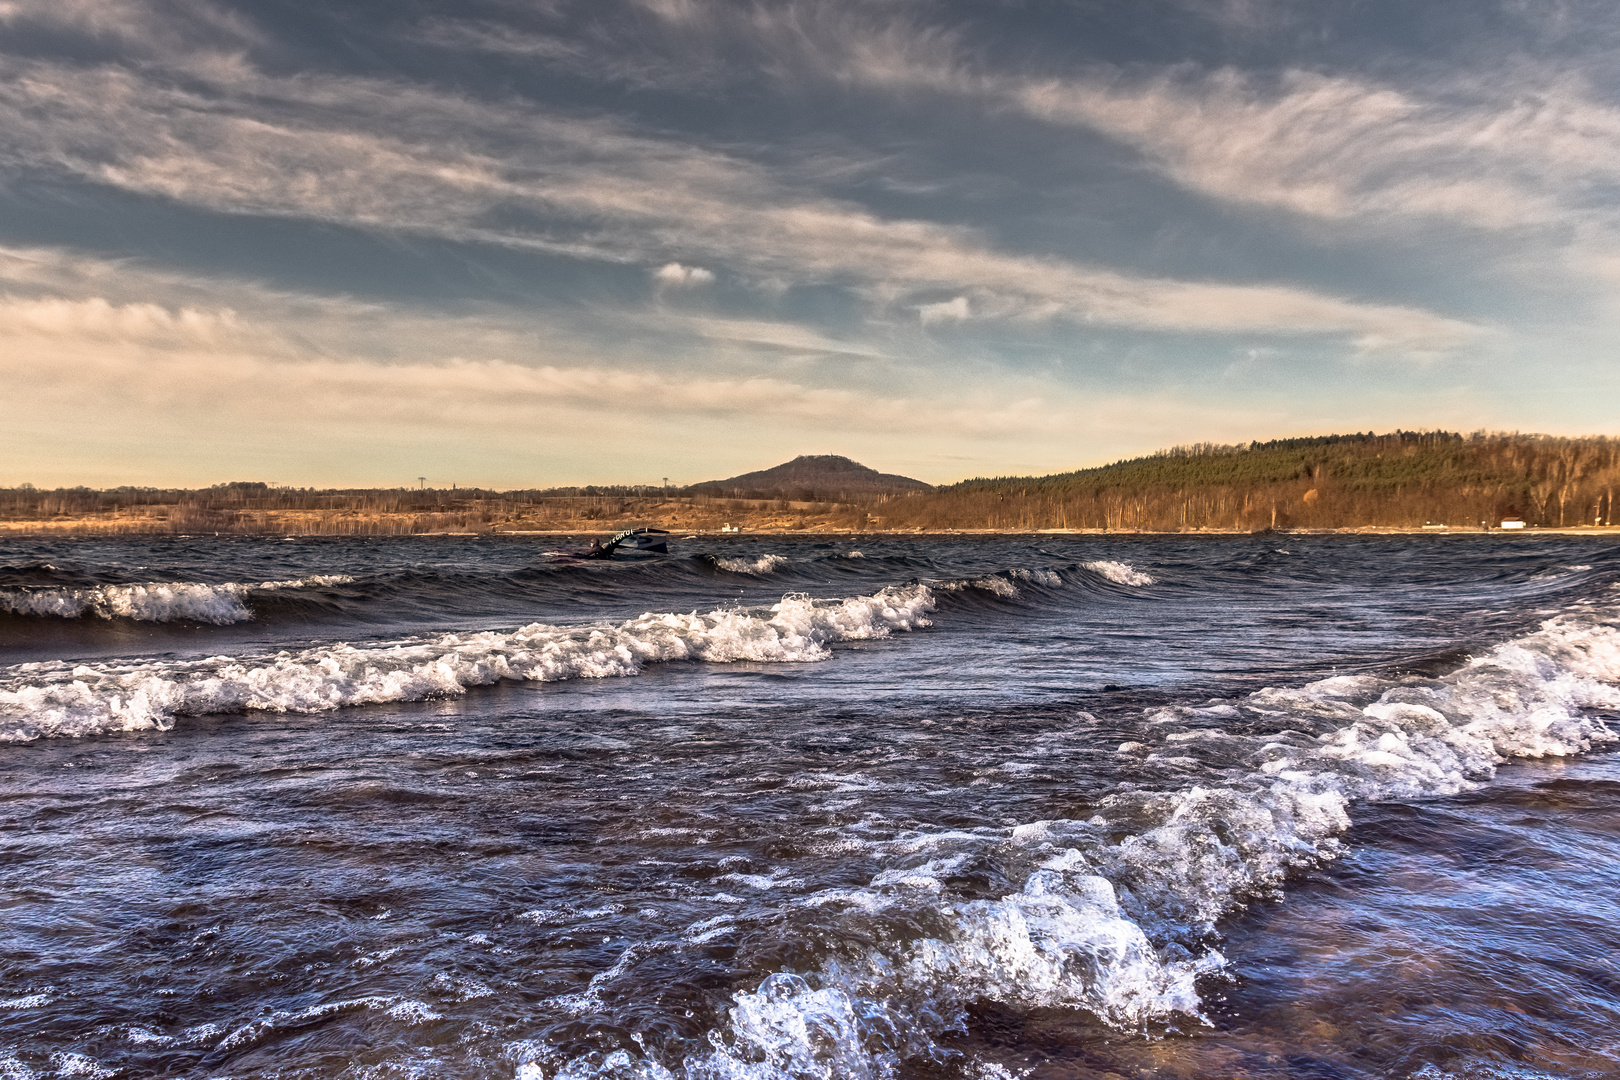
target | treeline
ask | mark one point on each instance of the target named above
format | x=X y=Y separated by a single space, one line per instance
x=254 y=508
x=1401 y=480
x=28 y=500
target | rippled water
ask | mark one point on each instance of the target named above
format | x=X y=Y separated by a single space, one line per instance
x=776 y=807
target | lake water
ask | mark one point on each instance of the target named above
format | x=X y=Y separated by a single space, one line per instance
x=1269 y=806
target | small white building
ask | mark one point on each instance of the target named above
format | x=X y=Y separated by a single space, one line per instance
x=1512 y=523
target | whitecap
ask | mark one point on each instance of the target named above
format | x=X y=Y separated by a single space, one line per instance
x=990 y=583
x=757 y=567
x=413 y=1012
x=39 y=700
x=1121 y=573
x=154 y=601
x=27 y=1001
x=71 y=1064
x=1115 y=912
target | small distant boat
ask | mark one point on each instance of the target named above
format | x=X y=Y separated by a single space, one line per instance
x=650 y=541
x=633 y=542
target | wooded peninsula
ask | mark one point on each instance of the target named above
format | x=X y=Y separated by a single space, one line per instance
x=1399 y=481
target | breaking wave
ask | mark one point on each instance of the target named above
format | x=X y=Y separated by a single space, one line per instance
x=1121 y=573
x=756 y=567
x=55 y=699
x=1005 y=584
x=154 y=601
x=1117 y=914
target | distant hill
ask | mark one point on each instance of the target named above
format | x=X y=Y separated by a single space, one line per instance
x=813 y=477
x=1404 y=479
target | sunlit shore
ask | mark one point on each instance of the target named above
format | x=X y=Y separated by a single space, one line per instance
x=745 y=524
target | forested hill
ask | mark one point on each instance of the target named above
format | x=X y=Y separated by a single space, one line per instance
x=1402 y=480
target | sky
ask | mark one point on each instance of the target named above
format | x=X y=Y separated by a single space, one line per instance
x=520 y=243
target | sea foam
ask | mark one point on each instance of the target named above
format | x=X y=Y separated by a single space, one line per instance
x=1117 y=913
x=53 y=699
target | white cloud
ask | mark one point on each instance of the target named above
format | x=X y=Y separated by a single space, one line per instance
x=1527 y=155
x=678 y=276
x=254 y=365
x=172 y=377
x=787 y=337
x=954 y=310
x=181 y=32
x=1337 y=147
x=677 y=11
x=97 y=319
x=1529 y=147
x=373 y=153
x=492 y=37
x=642 y=70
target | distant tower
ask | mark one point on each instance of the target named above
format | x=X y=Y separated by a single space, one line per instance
x=421 y=483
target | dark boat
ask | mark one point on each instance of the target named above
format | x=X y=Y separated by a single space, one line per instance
x=641 y=541
x=633 y=542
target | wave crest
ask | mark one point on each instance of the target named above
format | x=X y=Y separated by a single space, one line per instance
x=153 y=601
x=756 y=567
x=54 y=700
x=1121 y=573
x=1003 y=584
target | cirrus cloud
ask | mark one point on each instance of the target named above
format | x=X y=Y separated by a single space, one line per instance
x=378 y=154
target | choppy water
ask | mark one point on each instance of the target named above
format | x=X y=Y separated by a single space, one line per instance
x=1271 y=807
